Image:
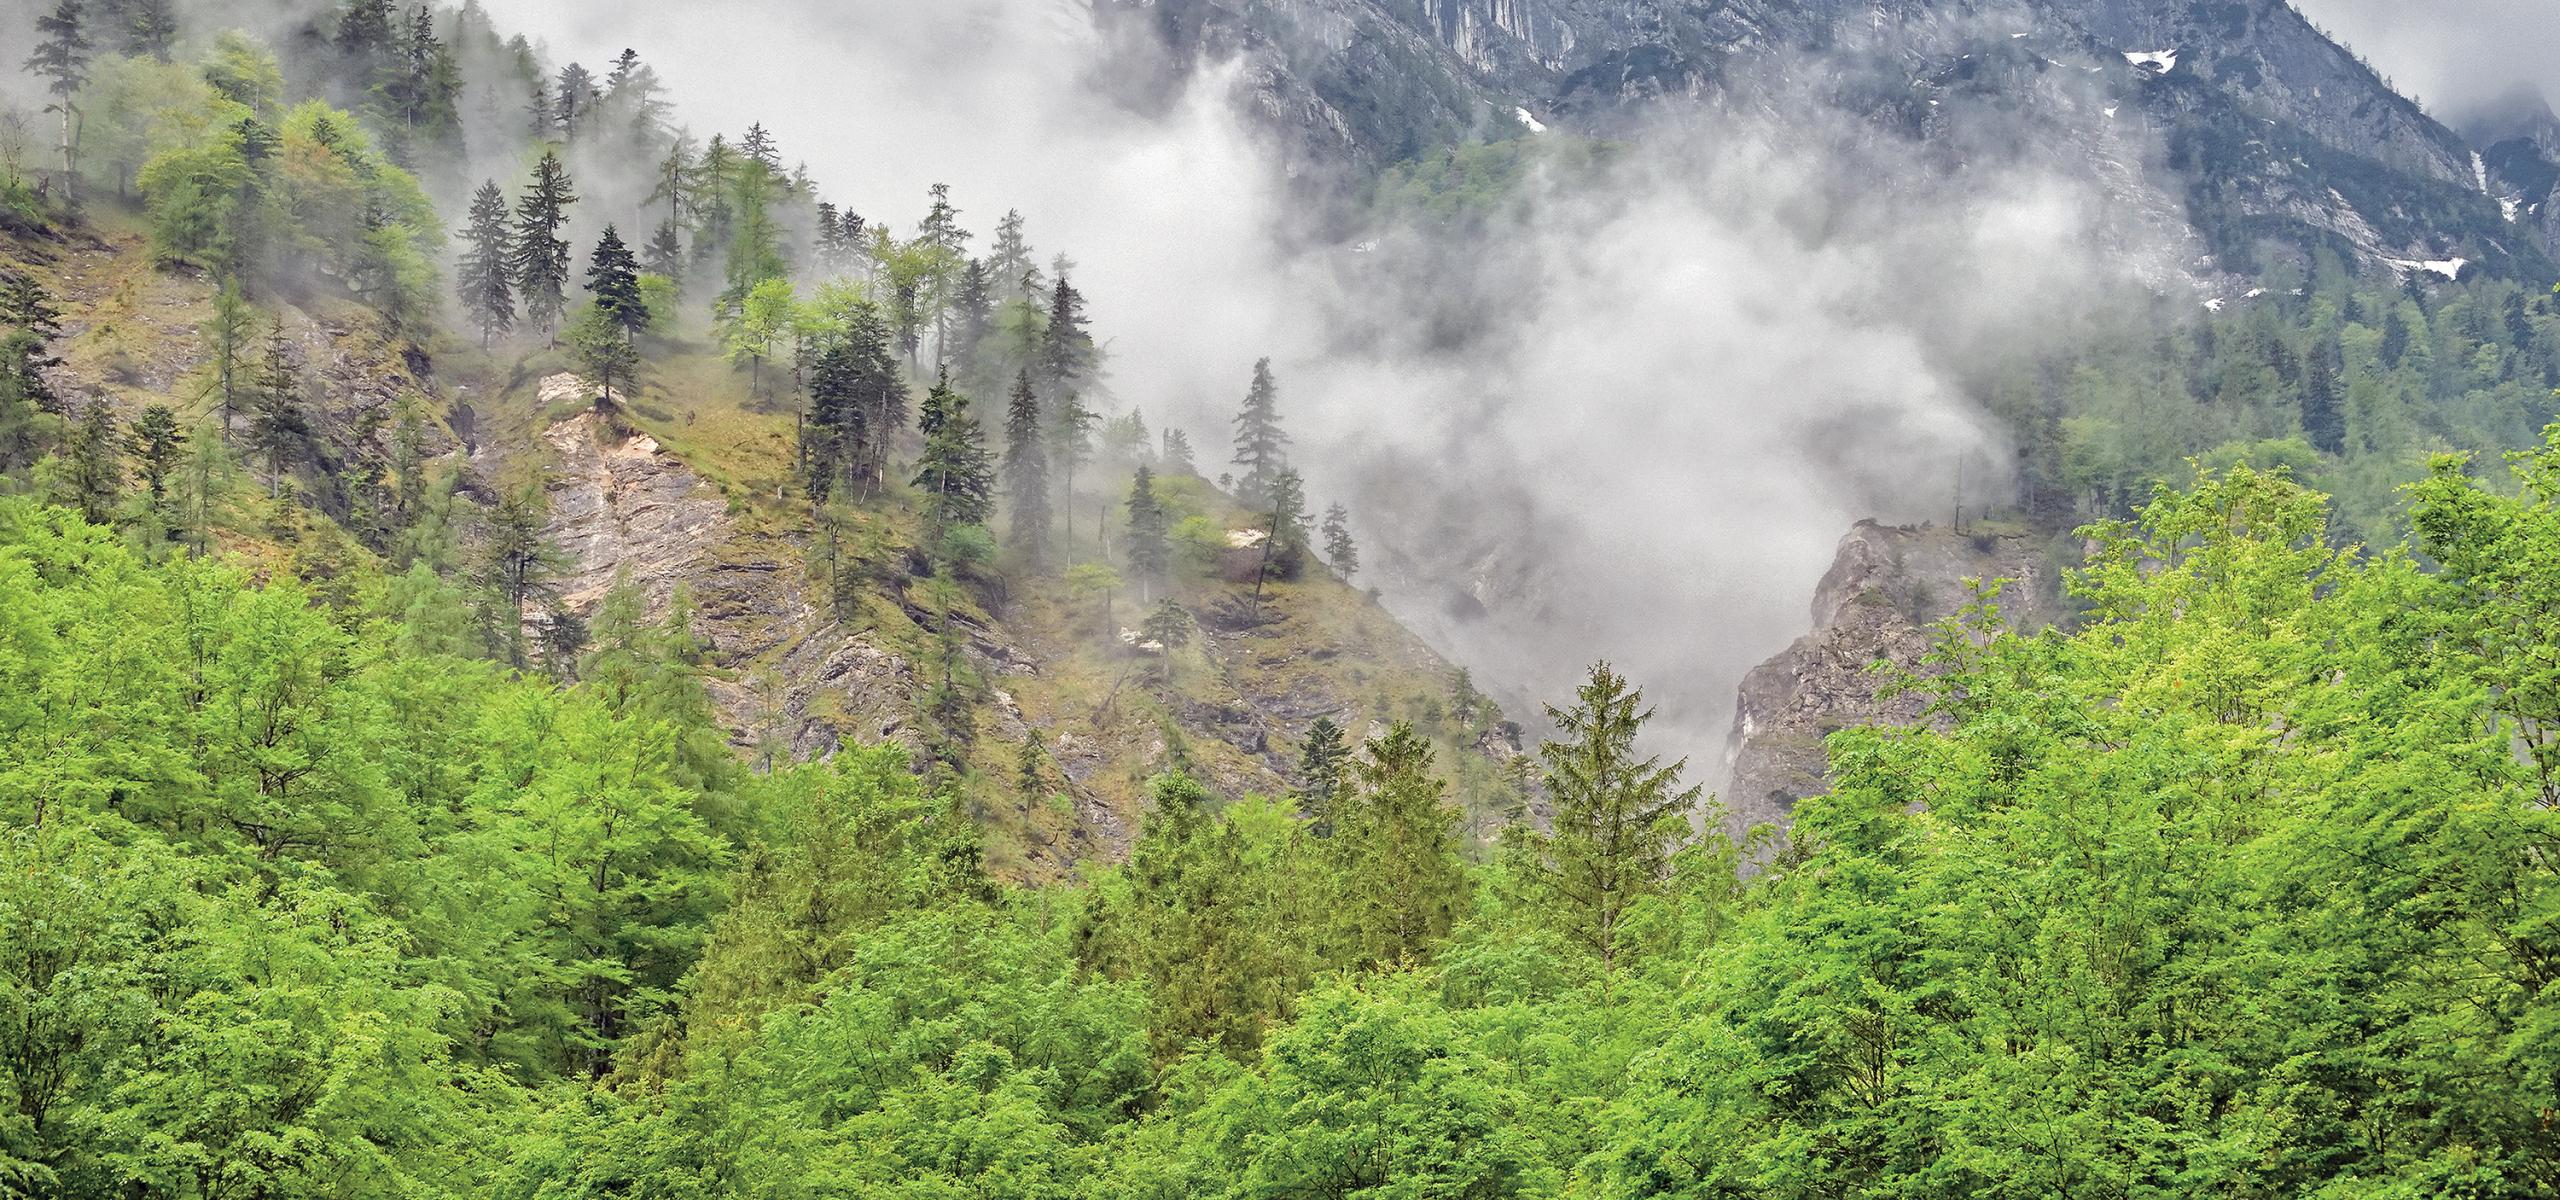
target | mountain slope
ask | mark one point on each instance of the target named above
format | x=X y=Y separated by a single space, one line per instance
x=2280 y=137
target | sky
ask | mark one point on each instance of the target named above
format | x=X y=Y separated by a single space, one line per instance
x=2453 y=55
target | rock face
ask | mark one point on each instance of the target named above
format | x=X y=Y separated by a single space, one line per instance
x=1885 y=588
x=2277 y=137
x=790 y=680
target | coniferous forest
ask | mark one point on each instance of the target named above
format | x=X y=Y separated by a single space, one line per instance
x=543 y=656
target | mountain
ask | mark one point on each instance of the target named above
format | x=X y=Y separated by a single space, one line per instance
x=2278 y=140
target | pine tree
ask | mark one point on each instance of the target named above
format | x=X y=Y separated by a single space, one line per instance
x=1026 y=474
x=955 y=471
x=1150 y=544
x=1177 y=453
x=482 y=280
x=1066 y=358
x=1339 y=549
x=2324 y=422
x=1618 y=817
x=539 y=260
x=613 y=278
x=1398 y=879
x=1259 y=440
x=1320 y=768
x=61 y=58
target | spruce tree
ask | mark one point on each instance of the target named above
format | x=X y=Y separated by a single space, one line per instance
x=482 y=280
x=1320 y=768
x=571 y=100
x=832 y=429
x=613 y=278
x=1177 y=453
x=151 y=26
x=955 y=472
x=1618 y=816
x=1339 y=550
x=1259 y=440
x=1026 y=475
x=278 y=431
x=93 y=470
x=664 y=256
x=156 y=443
x=2324 y=422
x=539 y=260
x=1150 y=543
x=61 y=59
x=1399 y=883
x=1286 y=552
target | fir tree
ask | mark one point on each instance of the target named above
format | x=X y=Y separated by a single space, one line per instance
x=2324 y=422
x=1026 y=474
x=1169 y=627
x=1400 y=884
x=1320 y=767
x=572 y=99
x=92 y=468
x=482 y=280
x=1339 y=550
x=156 y=443
x=1009 y=262
x=278 y=431
x=759 y=148
x=1285 y=553
x=1150 y=546
x=61 y=59
x=1618 y=816
x=151 y=27
x=613 y=278
x=539 y=260
x=1259 y=440
x=664 y=256
x=1177 y=453
x=955 y=472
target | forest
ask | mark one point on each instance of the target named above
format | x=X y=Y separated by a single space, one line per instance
x=343 y=855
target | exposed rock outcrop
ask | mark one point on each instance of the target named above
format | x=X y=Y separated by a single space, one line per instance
x=1886 y=587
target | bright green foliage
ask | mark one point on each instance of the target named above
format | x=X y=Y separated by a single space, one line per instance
x=1214 y=913
x=1400 y=884
x=1618 y=816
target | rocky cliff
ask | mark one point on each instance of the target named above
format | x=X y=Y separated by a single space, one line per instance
x=2277 y=137
x=1871 y=619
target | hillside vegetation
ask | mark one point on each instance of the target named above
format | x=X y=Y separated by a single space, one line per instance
x=490 y=707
